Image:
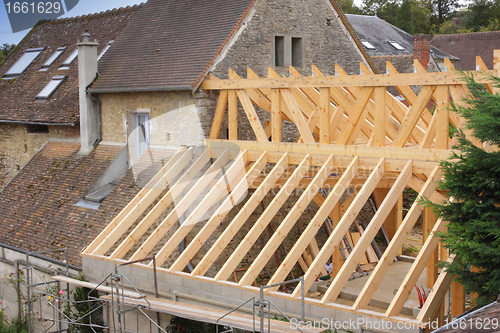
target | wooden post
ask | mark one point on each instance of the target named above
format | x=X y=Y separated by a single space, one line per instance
x=232 y=115
x=442 y=118
x=337 y=260
x=457 y=299
x=324 y=115
x=432 y=268
x=276 y=115
x=380 y=117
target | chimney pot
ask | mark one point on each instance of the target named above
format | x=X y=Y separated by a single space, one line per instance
x=86 y=36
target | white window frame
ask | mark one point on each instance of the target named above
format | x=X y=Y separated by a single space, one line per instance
x=11 y=74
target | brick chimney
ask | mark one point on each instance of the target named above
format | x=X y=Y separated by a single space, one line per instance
x=87 y=71
x=422 y=48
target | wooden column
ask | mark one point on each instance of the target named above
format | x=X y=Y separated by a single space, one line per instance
x=324 y=119
x=380 y=117
x=457 y=299
x=442 y=118
x=232 y=115
x=337 y=260
x=432 y=268
x=395 y=217
x=276 y=115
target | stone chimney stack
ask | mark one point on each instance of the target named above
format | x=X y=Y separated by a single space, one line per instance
x=422 y=48
x=87 y=71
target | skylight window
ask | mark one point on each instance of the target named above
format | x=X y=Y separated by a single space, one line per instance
x=22 y=63
x=50 y=87
x=69 y=60
x=397 y=46
x=368 y=45
x=53 y=58
x=105 y=49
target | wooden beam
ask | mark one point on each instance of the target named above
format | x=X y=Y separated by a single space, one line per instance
x=215 y=220
x=375 y=80
x=297 y=116
x=432 y=268
x=343 y=226
x=219 y=115
x=417 y=184
x=232 y=115
x=356 y=118
x=133 y=203
x=287 y=224
x=430 y=134
x=324 y=115
x=337 y=150
x=457 y=299
x=326 y=209
x=266 y=217
x=146 y=198
x=368 y=235
x=397 y=241
x=241 y=217
x=180 y=208
x=415 y=271
x=380 y=117
x=435 y=299
x=160 y=207
x=235 y=173
x=252 y=116
x=442 y=96
x=413 y=116
x=276 y=115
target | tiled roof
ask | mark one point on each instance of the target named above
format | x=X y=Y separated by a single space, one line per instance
x=18 y=96
x=37 y=207
x=169 y=44
x=379 y=33
x=468 y=46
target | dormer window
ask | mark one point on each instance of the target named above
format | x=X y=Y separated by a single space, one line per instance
x=50 y=87
x=397 y=46
x=69 y=60
x=53 y=58
x=105 y=49
x=23 y=63
x=368 y=45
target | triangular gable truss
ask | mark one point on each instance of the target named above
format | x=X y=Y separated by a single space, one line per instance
x=353 y=134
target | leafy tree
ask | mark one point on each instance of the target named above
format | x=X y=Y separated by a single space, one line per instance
x=404 y=19
x=443 y=9
x=473 y=180
x=481 y=13
x=7 y=48
x=349 y=7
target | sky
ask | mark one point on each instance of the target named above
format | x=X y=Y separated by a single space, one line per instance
x=83 y=7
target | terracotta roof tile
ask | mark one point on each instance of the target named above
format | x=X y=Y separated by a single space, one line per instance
x=37 y=207
x=168 y=44
x=17 y=96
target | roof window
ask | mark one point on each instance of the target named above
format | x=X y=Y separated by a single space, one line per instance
x=50 y=87
x=105 y=49
x=53 y=58
x=69 y=60
x=397 y=46
x=368 y=45
x=22 y=63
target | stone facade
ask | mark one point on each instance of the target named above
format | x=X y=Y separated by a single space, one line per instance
x=20 y=142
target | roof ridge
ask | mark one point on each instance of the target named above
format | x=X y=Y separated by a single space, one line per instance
x=92 y=15
x=467 y=33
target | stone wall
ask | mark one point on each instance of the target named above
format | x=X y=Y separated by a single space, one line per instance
x=18 y=146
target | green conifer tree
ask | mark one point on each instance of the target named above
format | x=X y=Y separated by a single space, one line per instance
x=473 y=180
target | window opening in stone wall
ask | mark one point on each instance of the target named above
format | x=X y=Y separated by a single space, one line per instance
x=53 y=58
x=279 y=51
x=36 y=129
x=297 y=52
x=142 y=126
x=22 y=63
x=69 y=60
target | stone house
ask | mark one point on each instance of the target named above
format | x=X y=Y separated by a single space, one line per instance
x=100 y=136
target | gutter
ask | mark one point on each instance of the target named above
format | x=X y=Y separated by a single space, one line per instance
x=35 y=123
x=120 y=90
x=39 y=256
x=354 y=36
